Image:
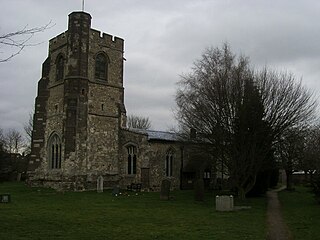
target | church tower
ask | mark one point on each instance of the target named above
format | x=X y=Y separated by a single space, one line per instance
x=79 y=109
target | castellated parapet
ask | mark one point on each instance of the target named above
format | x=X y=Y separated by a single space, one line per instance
x=104 y=38
x=58 y=41
x=108 y=40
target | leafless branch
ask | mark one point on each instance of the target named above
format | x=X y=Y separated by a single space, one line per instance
x=18 y=40
x=139 y=122
x=241 y=113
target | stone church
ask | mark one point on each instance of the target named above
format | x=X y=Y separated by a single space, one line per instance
x=80 y=128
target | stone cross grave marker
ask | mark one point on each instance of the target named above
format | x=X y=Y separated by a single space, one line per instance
x=100 y=184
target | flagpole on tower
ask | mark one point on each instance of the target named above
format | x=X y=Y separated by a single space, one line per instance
x=82 y=5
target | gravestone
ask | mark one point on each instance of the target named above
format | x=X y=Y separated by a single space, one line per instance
x=199 y=190
x=224 y=203
x=5 y=198
x=100 y=184
x=18 y=177
x=115 y=190
x=165 y=189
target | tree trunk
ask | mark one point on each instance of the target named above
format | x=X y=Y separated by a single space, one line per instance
x=241 y=193
x=199 y=190
x=289 y=180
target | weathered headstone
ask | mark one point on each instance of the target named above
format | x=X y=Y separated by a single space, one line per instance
x=224 y=203
x=199 y=190
x=18 y=177
x=100 y=184
x=165 y=189
x=115 y=190
x=5 y=198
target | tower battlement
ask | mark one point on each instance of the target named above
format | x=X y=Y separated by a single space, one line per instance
x=58 y=41
x=108 y=39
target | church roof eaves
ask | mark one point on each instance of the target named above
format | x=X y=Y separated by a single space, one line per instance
x=157 y=135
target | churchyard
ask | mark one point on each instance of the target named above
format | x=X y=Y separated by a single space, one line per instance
x=38 y=213
x=301 y=212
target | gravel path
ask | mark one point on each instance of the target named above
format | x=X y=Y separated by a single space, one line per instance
x=277 y=228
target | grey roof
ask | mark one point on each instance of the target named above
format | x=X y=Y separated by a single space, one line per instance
x=157 y=135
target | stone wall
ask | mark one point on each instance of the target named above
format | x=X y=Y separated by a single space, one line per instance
x=140 y=142
x=151 y=156
x=84 y=112
x=157 y=164
x=89 y=117
x=102 y=145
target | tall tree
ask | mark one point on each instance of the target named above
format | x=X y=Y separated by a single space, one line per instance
x=135 y=121
x=220 y=100
x=251 y=142
x=239 y=112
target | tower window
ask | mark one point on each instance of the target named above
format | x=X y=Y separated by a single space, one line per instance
x=59 y=68
x=169 y=163
x=101 y=67
x=54 y=150
x=132 y=160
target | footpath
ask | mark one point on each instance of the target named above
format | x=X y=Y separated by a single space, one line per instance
x=277 y=228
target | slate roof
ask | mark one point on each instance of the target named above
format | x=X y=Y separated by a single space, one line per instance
x=157 y=135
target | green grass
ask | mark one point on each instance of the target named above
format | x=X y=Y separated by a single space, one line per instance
x=37 y=213
x=301 y=212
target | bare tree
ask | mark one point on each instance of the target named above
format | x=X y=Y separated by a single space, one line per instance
x=311 y=157
x=139 y=122
x=288 y=104
x=233 y=109
x=13 y=141
x=291 y=150
x=220 y=101
x=18 y=40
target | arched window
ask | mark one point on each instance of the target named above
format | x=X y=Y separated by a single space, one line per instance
x=132 y=160
x=54 y=150
x=59 y=68
x=101 y=67
x=169 y=163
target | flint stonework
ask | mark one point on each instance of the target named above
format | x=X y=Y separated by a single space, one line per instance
x=79 y=129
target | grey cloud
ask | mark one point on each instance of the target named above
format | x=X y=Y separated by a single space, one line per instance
x=162 y=40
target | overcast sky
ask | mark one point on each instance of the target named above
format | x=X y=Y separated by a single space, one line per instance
x=162 y=40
